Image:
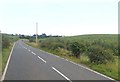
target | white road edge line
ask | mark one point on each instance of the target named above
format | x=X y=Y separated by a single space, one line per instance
x=3 y=76
x=92 y=70
x=61 y=74
x=33 y=53
x=42 y=59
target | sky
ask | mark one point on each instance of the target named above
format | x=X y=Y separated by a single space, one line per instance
x=59 y=17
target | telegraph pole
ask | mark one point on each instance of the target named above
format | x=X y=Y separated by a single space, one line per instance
x=36 y=32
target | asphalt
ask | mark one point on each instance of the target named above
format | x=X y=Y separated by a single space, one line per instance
x=28 y=63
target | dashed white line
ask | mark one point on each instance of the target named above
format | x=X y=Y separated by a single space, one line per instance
x=25 y=47
x=61 y=74
x=29 y=50
x=42 y=59
x=33 y=53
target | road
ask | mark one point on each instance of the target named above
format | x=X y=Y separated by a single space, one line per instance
x=28 y=63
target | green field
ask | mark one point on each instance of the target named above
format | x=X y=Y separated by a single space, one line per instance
x=105 y=44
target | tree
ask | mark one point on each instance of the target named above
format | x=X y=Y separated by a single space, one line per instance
x=43 y=35
x=31 y=40
x=22 y=36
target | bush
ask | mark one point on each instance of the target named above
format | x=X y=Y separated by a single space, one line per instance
x=99 y=55
x=56 y=45
x=31 y=40
x=75 y=48
x=52 y=45
x=5 y=41
x=107 y=45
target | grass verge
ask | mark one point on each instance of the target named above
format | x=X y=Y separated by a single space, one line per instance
x=0 y=55
x=5 y=55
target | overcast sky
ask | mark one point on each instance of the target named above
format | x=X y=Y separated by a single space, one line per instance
x=59 y=17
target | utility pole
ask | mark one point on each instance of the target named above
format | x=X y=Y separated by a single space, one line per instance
x=36 y=32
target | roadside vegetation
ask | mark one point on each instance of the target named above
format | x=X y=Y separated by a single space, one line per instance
x=98 y=52
x=0 y=54
x=7 y=43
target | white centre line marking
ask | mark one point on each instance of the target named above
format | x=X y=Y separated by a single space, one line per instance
x=42 y=59
x=29 y=50
x=33 y=53
x=61 y=74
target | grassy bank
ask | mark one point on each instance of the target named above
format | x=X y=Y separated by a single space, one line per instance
x=5 y=55
x=106 y=43
x=7 y=43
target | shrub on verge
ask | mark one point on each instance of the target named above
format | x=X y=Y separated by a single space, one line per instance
x=99 y=55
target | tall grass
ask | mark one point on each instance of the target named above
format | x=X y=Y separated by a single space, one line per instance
x=5 y=55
